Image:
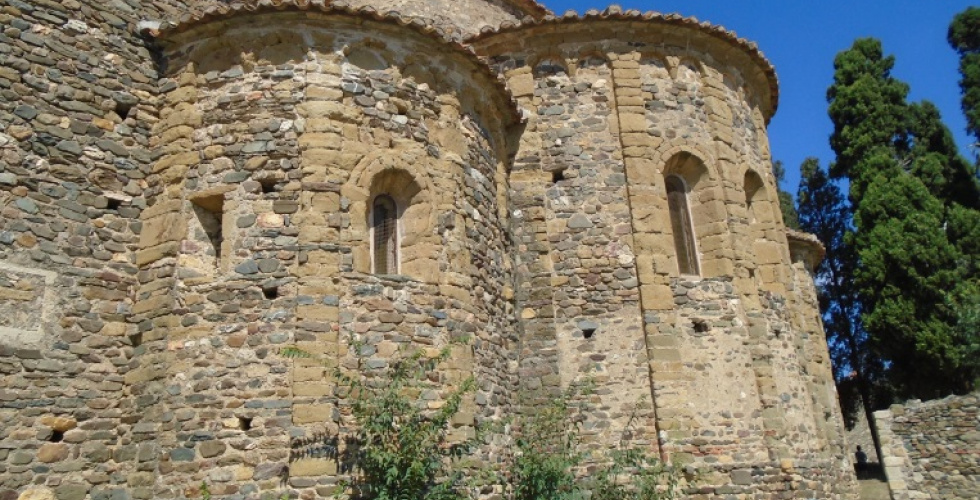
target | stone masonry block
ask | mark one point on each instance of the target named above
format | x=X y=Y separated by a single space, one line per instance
x=313 y=467
x=633 y=123
x=320 y=141
x=656 y=297
x=318 y=313
x=167 y=228
x=311 y=413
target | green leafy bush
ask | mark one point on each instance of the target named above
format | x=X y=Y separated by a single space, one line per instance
x=635 y=475
x=547 y=457
x=399 y=449
x=546 y=454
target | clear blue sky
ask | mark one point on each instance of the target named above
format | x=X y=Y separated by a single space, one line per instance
x=801 y=38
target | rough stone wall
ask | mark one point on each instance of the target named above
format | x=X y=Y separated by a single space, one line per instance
x=615 y=116
x=930 y=449
x=581 y=313
x=273 y=144
x=828 y=440
x=78 y=103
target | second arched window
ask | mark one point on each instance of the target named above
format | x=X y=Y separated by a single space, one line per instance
x=680 y=222
x=384 y=235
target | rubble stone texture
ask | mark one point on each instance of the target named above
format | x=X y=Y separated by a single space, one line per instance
x=932 y=449
x=186 y=188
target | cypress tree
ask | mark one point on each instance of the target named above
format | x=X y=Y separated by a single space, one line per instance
x=964 y=227
x=825 y=213
x=913 y=200
x=935 y=159
x=907 y=266
x=868 y=107
x=964 y=37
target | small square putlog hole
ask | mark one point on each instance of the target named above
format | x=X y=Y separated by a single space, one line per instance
x=557 y=175
x=268 y=185
x=123 y=109
x=701 y=326
x=588 y=328
x=57 y=436
x=245 y=423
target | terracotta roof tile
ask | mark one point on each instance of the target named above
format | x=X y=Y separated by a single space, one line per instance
x=531 y=7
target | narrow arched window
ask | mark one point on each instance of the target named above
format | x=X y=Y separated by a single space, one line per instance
x=384 y=235
x=680 y=221
x=755 y=195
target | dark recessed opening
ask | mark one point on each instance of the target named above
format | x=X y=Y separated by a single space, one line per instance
x=588 y=328
x=113 y=204
x=557 y=175
x=271 y=292
x=268 y=185
x=57 y=436
x=245 y=423
x=210 y=215
x=701 y=326
x=136 y=339
x=123 y=110
x=752 y=273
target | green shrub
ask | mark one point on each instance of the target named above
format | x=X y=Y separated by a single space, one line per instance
x=400 y=450
x=635 y=474
x=546 y=454
x=547 y=457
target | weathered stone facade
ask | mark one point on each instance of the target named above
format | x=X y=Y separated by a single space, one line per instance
x=932 y=449
x=180 y=200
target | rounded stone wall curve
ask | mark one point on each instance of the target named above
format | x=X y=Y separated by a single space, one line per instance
x=457 y=17
x=467 y=16
x=270 y=160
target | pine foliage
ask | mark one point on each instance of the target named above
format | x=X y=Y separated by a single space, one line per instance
x=914 y=203
x=964 y=37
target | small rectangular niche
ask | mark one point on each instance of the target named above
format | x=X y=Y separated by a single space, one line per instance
x=209 y=212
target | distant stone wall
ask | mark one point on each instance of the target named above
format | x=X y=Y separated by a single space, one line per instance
x=932 y=450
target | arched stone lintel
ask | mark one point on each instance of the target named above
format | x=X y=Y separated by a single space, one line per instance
x=668 y=153
x=415 y=200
